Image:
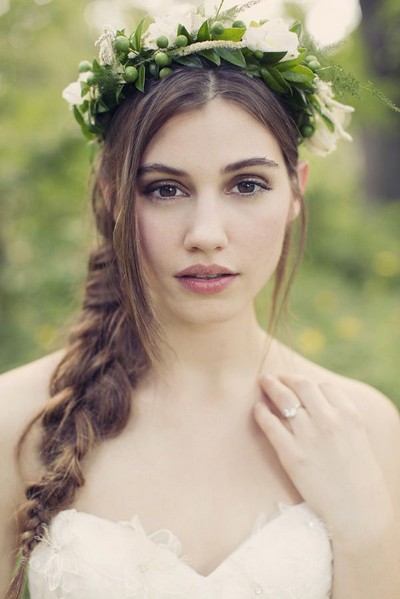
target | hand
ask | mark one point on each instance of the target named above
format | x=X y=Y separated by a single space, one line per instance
x=326 y=452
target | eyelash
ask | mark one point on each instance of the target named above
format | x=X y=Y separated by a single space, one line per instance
x=151 y=190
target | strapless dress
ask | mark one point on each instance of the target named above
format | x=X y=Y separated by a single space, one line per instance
x=82 y=556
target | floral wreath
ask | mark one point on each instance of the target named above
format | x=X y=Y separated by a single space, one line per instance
x=268 y=50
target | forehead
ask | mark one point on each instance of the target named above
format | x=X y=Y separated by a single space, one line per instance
x=219 y=132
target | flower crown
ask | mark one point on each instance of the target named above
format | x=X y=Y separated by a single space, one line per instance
x=268 y=50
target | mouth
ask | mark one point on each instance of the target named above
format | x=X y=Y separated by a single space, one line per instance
x=210 y=279
x=205 y=272
x=207 y=277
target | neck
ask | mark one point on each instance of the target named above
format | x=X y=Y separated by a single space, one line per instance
x=212 y=360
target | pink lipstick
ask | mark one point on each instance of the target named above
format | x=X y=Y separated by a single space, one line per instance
x=206 y=279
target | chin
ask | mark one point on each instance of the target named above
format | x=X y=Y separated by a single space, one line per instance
x=204 y=312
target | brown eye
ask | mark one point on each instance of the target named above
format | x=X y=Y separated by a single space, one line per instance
x=246 y=187
x=167 y=191
x=163 y=190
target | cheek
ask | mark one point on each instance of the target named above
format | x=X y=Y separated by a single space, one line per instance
x=157 y=239
x=265 y=242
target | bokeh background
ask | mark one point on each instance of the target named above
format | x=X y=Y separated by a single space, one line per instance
x=345 y=308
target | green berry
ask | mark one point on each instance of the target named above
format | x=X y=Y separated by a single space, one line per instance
x=121 y=44
x=259 y=54
x=84 y=66
x=162 y=59
x=314 y=65
x=91 y=79
x=165 y=72
x=307 y=130
x=310 y=58
x=239 y=24
x=130 y=74
x=181 y=41
x=162 y=41
x=217 y=28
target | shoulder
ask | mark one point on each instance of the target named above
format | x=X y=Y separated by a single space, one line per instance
x=23 y=392
x=379 y=414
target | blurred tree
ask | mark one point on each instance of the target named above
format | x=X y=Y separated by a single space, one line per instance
x=380 y=30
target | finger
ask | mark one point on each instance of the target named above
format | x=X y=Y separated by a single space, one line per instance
x=338 y=398
x=310 y=395
x=284 y=398
x=278 y=435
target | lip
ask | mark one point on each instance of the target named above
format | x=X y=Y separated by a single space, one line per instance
x=222 y=278
x=204 y=270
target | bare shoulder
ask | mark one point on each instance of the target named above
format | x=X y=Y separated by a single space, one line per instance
x=23 y=392
x=380 y=415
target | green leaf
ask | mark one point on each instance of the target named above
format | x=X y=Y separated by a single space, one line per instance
x=299 y=74
x=136 y=39
x=183 y=31
x=297 y=29
x=203 y=34
x=288 y=64
x=233 y=34
x=77 y=115
x=328 y=123
x=188 y=61
x=119 y=96
x=212 y=56
x=79 y=118
x=233 y=56
x=97 y=68
x=85 y=88
x=279 y=79
x=274 y=80
x=272 y=57
x=299 y=99
x=140 y=81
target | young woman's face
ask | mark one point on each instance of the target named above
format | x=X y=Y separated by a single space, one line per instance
x=214 y=199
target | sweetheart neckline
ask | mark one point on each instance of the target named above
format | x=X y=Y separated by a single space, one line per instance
x=283 y=509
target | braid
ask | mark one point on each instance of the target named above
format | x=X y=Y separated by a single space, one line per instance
x=90 y=394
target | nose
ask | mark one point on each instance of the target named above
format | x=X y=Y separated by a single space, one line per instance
x=206 y=229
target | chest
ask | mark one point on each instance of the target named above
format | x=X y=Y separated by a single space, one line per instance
x=207 y=485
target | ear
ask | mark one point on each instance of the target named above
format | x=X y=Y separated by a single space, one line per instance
x=302 y=177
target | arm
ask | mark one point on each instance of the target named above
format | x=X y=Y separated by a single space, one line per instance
x=342 y=452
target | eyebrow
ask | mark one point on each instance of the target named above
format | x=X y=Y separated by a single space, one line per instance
x=229 y=168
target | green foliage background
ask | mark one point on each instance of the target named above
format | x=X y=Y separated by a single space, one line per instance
x=345 y=312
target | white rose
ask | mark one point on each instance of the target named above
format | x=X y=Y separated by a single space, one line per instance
x=182 y=14
x=273 y=36
x=324 y=140
x=73 y=92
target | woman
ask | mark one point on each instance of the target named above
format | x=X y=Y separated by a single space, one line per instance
x=182 y=451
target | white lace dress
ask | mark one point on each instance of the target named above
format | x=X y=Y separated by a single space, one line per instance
x=82 y=556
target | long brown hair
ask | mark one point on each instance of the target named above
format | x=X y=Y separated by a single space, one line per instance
x=117 y=337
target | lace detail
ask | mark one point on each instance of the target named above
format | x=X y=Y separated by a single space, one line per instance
x=82 y=556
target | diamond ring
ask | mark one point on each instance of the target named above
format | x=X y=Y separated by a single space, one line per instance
x=291 y=412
